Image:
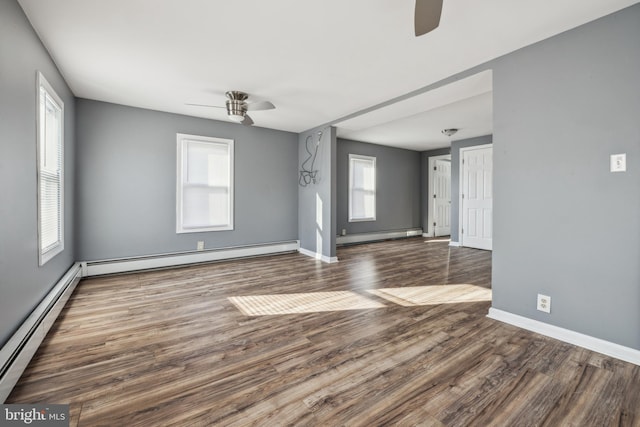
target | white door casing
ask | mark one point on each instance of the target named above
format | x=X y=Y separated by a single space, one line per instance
x=442 y=197
x=476 y=197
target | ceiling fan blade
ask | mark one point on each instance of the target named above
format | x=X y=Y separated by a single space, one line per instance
x=203 y=105
x=247 y=120
x=427 y=16
x=260 y=105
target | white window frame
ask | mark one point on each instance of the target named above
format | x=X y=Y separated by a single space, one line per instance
x=182 y=143
x=43 y=91
x=372 y=160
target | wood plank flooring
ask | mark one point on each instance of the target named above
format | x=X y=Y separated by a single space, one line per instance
x=169 y=348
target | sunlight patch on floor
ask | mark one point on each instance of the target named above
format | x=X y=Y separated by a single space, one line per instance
x=314 y=302
x=308 y=302
x=411 y=296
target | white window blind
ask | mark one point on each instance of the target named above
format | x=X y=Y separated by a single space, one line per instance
x=362 y=188
x=205 y=184
x=50 y=171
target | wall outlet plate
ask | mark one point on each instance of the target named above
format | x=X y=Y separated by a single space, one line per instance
x=618 y=162
x=200 y=246
x=544 y=303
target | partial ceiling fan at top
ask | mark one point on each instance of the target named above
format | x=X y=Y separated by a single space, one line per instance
x=237 y=106
x=427 y=16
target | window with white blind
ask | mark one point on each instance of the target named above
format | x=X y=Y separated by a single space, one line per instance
x=362 y=188
x=205 y=184
x=50 y=158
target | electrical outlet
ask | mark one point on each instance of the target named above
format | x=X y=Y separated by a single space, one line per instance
x=618 y=162
x=200 y=246
x=544 y=303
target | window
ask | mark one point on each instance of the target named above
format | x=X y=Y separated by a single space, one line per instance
x=362 y=188
x=50 y=158
x=205 y=184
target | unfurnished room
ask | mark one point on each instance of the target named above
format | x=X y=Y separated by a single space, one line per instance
x=360 y=213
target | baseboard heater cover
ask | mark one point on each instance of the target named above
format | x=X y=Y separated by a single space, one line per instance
x=377 y=236
x=16 y=354
x=607 y=348
x=123 y=265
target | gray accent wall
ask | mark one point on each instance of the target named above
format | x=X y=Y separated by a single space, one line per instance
x=564 y=225
x=23 y=283
x=317 y=201
x=455 y=179
x=397 y=192
x=126 y=179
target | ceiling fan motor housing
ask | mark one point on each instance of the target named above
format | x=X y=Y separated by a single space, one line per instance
x=236 y=105
x=236 y=108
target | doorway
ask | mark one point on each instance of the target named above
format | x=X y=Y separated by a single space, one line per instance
x=476 y=197
x=439 y=196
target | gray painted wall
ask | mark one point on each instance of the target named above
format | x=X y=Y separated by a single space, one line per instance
x=455 y=179
x=126 y=179
x=317 y=201
x=564 y=225
x=424 y=184
x=397 y=192
x=23 y=283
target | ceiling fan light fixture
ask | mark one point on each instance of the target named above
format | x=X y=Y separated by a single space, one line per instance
x=237 y=107
x=236 y=117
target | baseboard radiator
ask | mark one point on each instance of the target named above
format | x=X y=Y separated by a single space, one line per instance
x=377 y=236
x=23 y=344
x=159 y=261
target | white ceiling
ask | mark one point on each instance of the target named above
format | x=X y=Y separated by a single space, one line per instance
x=416 y=123
x=316 y=61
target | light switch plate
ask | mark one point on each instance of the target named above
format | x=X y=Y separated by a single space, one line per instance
x=619 y=162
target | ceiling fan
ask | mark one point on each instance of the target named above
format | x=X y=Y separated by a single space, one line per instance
x=237 y=106
x=427 y=16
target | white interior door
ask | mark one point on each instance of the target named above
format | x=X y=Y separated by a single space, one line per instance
x=442 y=197
x=477 y=198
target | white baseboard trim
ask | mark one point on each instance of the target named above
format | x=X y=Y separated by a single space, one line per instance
x=96 y=268
x=618 y=351
x=455 y=244
x=426 y=235
x=373 y=237
x=318 y=256
x=16 y=354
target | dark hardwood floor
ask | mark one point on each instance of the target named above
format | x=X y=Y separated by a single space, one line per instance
x=170 y=348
